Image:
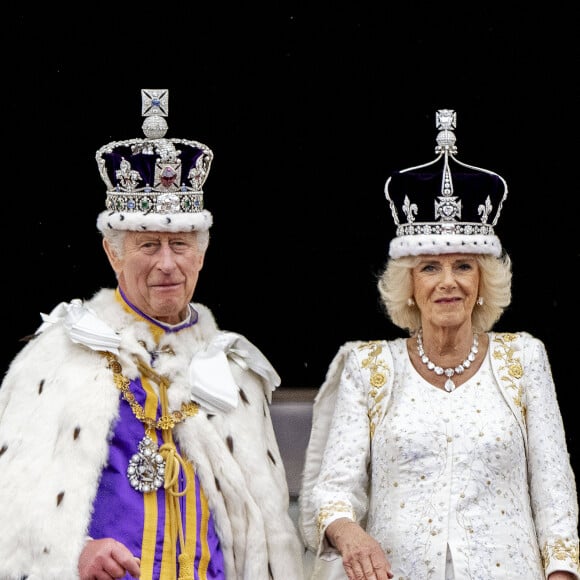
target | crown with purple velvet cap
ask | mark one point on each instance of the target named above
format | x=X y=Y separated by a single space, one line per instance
x=445 y=206
x=154 y=183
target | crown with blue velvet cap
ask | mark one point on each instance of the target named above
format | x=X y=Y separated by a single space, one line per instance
x=154 y=183
x=445 y=206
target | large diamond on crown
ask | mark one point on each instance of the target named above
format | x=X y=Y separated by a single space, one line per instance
x=168 y=203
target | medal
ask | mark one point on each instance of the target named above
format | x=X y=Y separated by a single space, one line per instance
x=146 y=469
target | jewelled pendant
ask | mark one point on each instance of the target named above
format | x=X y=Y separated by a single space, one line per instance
x=146 y=469
x=449 y=385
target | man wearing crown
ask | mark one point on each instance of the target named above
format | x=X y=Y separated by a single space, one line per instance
x=135 y=435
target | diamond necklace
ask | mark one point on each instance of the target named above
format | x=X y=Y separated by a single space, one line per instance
x=449 y=372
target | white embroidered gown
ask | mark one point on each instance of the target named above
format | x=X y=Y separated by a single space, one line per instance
x=449 y=497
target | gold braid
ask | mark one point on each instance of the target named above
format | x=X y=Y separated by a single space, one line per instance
x=174 y=463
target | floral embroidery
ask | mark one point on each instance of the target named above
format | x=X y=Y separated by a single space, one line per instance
x=333 y=508
x=378 y=379
x=561 y=550
x=504 y=351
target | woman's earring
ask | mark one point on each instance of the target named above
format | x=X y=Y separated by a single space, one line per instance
x=480 y=301
x=410 y=302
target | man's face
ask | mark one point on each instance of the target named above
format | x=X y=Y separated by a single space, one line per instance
x=158 y=272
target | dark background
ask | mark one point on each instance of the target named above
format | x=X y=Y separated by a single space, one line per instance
x=307 y=110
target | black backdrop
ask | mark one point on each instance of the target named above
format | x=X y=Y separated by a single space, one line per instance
x=307 y=111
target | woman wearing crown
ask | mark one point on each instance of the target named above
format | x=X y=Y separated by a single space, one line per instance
x=441 y=455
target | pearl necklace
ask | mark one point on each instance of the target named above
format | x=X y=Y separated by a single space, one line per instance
x=449 y=372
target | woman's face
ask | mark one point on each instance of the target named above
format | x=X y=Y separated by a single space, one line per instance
x=445 y=288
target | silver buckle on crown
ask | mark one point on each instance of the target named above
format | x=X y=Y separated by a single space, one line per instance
x=146 y=469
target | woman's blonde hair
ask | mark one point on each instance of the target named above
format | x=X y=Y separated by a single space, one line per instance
x=396 y=287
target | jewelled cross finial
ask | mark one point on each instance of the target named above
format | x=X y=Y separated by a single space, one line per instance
x=446 y=122
x=154 y=102
x=446 y=119
x=154 y=106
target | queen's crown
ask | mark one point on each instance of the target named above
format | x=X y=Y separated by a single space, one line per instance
x=445 y=206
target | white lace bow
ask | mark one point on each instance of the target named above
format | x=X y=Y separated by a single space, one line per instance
x=83 y=326
x=212 y=383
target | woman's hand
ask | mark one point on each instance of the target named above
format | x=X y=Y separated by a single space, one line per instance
x=362 y=556
x=105 y=559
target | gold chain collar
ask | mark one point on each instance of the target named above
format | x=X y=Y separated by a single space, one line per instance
x=165 y=422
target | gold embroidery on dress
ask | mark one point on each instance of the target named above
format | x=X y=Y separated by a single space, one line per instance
x=505 y=352
x=331 y=509
x=378 y=378
x=561 y=550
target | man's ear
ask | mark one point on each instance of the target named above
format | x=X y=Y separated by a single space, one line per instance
x=201 y=259
x=114 y=260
